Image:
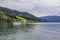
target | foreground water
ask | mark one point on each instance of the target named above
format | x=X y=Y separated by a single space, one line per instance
x=32 y=31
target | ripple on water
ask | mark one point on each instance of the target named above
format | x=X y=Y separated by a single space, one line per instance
x=35 y=32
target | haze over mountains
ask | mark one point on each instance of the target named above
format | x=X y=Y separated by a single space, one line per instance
x=51 y=18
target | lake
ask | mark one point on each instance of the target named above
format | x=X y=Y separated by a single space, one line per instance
x=32 y=31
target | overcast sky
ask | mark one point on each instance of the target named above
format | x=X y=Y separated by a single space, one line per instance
x=36 y=7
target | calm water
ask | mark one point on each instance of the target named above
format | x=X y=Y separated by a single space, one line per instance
x=37 y=31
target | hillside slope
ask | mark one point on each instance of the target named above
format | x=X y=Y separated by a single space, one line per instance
x=14 y=13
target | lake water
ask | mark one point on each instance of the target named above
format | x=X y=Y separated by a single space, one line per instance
x=32 y=31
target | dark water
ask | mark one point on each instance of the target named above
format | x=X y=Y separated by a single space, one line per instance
x=38 y=31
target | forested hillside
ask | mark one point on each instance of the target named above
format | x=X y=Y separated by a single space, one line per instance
x=12 y=14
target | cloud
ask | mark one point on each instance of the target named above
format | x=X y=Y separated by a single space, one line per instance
x=19 y=4
x=49 y=2
x=35 y=7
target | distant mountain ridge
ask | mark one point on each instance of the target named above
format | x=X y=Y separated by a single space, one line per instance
x=51 y=18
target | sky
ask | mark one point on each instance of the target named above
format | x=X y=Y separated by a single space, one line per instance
x=38 y=8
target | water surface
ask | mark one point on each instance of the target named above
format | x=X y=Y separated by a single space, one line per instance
x=37 y=31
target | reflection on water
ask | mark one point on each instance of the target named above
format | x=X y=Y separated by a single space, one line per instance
x=8 y=31
x=5 y=28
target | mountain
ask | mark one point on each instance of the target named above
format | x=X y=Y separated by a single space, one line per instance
x=51 y=18
x=13 y=13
